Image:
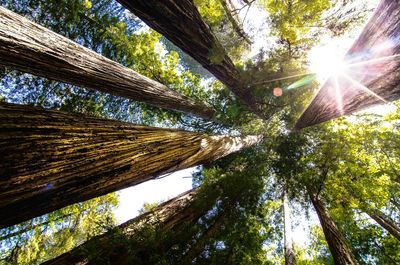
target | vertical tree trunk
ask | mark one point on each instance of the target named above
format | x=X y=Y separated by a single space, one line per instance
x=289 y=251
x=373 y=65
x=167 y=216
x=180 y=22
x=340 y=251
x=31 y=48
x=51 y=159
x=386 y=222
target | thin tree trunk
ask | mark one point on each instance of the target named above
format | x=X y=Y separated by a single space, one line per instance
x=234 y=22
x=180 y=22
x=289 y=251
x=374 y=69
x=198 y=247
x=340 y=251
x=386 y=222
x=31 y=48
x=167 y=216
x=51 y=159
x=200 y=244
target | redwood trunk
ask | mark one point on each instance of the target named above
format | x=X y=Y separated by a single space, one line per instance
x=166 y=216
x=379 y=39
x=51 y=159
x=31 y=48
x=289 y=252
x=340 y=251
x=387 y=223
x=180 y=22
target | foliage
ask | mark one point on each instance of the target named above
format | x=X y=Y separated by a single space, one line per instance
x=50 y=235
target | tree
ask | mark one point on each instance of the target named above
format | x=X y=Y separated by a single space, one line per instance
x=341 y=252
x=112 y=246
x=233 y=19
x=56 y=158
x=187 y=228
x=181 y=23
x=386 y=223
x=39 y=51
x=289 y=251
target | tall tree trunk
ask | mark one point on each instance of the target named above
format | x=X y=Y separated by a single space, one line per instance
x=289 y=252
x=386 y=222
x=340 y=251
x=168 y=216
x=180 y=22
x=373 y=63
x=52 y=159
x=31 y=48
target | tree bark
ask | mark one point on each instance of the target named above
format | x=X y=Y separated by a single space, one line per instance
x=289 y=252
x=366 y=69
x=386 y=222
x=340 y=251
x=31 y=48
x=167 y=216
x=51 y=159
x=180 y=22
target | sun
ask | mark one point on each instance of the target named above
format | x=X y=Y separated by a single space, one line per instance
x=326 y=61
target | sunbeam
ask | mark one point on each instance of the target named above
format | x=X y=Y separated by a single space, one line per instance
x=373 y=60
x=366 y=89
x=281 y=78
x=339 y=100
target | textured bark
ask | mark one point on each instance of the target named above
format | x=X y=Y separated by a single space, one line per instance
x=289 y=252
x=51 y=159
x=180 y=22
x=166 y=216
x=387 y=223
x=31 y=48
x=340 y=251
x=380 y=38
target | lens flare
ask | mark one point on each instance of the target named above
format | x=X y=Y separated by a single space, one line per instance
x=277 y=91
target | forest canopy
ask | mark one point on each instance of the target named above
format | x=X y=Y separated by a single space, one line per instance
x=267 y=102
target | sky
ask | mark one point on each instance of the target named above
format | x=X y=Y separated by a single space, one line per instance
x=131 y=199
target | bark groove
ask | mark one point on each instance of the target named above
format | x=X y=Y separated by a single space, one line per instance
x=51 y=159
x=31 y=48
